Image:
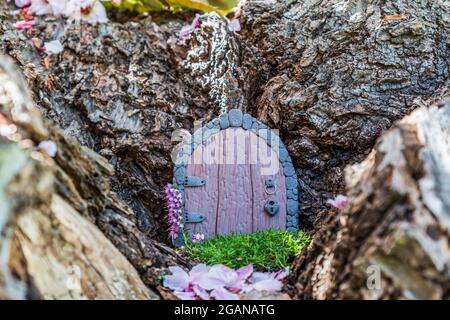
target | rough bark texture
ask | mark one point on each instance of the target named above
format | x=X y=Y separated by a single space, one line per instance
x=334 y=74
x=49 y=209
x=331 y=76
x=397 y=222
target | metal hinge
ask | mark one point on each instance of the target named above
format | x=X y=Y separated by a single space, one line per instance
x=192 y=181
x=193 y=217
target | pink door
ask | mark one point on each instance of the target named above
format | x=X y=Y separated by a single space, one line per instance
x=242 y=175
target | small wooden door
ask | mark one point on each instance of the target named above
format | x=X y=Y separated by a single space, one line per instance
x=242 y=174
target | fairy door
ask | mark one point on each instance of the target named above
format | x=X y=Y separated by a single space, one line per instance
x=238 y=178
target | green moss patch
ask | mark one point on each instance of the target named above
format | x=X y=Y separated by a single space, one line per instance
x=267 y=250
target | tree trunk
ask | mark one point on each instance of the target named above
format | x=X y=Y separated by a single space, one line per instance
x=332 y=77
x=393 y=239
x=50 y=245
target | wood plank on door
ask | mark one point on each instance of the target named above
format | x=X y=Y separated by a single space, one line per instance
x=204 y=162
x=265 y=165
x=235 y=185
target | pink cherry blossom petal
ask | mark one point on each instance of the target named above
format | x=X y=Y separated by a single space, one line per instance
x=7 y=129
x=22 y=3
x=24 y=24
x=221 y=282
x=186 y=31
x=91 y=11
x=270 y=284
x=221 y=276
x=245 y=272
x=184 y=295
x=178 y=281
x=259 y=276
x=197 y=237
x=340 y=202
x=200 y=292
x=40 y=7
x=199 y=270
x=53 y=47
x=235 y=25
x=58 y=6
x=280 y=275
x=223 y=294
x=49 y=147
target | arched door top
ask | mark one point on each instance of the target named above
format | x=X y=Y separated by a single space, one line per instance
x=236 y=119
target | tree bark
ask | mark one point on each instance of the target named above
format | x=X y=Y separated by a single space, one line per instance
x=50 y=245
x=393 y=239
x=332 y=77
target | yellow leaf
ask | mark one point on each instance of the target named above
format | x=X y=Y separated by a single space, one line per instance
x=222 y=7
x=202 y=5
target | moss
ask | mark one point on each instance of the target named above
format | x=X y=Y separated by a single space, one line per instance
x=267 y=250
